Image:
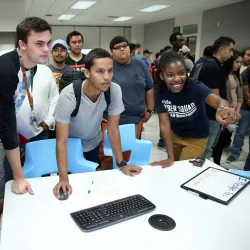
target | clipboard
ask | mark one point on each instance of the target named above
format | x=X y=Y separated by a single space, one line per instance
x=215 y=184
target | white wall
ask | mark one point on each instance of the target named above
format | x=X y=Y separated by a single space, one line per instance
x=232 y=20
x=107 y=33
x=137 y=34
x=94 y=37
x=9 y=14
x=7 y=41
x=156 y=35
x=194 y=18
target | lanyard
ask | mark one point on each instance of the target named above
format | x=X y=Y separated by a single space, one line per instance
x=32 y=117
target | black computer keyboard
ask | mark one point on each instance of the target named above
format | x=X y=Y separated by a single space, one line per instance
x=107 y=214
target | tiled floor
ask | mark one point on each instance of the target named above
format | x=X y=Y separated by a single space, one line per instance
x=151 y=132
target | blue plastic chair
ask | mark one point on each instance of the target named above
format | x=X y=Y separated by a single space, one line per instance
x=240 y=172
x=40 y=158
x=140 y=149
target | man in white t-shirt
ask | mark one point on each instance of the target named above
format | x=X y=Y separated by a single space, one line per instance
x=45 y=95
x=33 y=40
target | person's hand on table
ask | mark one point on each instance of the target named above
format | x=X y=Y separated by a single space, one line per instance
x=131 y=170
x=164 y=163
x=21 y=186
x=67 y=189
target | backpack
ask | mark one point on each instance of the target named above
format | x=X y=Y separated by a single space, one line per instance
x=76 y=78
x=68 y=77
x=195 y=73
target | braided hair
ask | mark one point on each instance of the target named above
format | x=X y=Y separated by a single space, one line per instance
x=166 y=59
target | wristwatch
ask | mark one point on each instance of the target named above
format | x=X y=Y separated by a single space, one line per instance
x=150 y=111
x=122 y=164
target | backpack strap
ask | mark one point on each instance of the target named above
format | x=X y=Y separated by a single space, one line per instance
x=107 y=96
x=77 y=86
x=211 y=60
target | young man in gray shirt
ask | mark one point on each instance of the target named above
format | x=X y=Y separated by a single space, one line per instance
x=87 y=123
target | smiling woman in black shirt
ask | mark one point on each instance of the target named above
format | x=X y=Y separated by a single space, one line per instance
x=181 y=108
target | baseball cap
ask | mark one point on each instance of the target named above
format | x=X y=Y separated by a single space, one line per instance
x=61 y=42
x=185 y=49
x=146 y=51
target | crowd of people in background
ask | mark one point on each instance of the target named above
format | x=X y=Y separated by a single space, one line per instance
x=198 y=103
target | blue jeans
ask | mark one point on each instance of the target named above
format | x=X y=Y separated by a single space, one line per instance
x=242 y=130
x=247 y=164
x=214 y=134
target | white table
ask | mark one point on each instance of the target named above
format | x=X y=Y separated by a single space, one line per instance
x=42 y=222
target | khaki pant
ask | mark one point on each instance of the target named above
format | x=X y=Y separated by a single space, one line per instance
x=188 y=148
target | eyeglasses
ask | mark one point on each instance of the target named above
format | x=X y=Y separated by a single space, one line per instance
x=180 y=75
x=124 y=46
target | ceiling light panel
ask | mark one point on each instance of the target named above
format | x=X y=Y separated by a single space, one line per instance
x=154 y=8
x=83 y=5
x=122 y=19
x=65 y=17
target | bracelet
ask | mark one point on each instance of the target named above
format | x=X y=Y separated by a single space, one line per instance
x=222 y=107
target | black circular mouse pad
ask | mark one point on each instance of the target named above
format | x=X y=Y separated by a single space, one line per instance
x=162 y=222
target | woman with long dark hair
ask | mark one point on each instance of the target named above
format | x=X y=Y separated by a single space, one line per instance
x=234 y=96
x=181 y=109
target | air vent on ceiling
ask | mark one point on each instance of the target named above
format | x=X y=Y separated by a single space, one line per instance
x=49 y=15
x=112 y=17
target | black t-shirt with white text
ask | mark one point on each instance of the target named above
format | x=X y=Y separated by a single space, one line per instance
x=186 y=109
x=76 y=65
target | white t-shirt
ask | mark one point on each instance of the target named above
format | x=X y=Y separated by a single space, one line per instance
x=45 y=96
x=242 y=68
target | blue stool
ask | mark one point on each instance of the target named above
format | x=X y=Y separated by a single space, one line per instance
x=240 y=172
x=140 y=149
x=40 y=158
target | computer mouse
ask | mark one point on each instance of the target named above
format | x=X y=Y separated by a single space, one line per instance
x=132 y=171
x=62 y=195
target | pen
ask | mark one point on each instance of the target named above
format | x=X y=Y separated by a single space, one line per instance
x=90 y=189
x=200 y=195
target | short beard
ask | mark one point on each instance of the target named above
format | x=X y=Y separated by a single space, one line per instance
x=59 y=62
